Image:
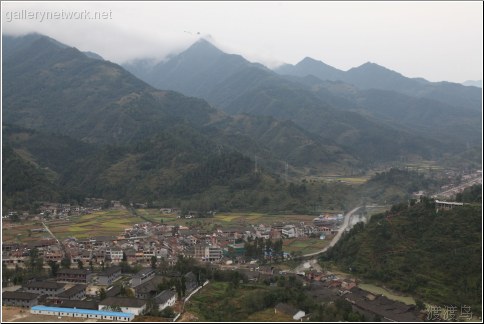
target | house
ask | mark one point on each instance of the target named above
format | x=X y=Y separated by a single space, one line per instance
x=142 y=276
x=166 y=298
x=44 y=288
x=289 y=231
x=82 y=313
x=128 y=305
x=81 y=304
x=115 y=255
x=109 y=275
x=149 y=288
x=191 y=282
x=76 y=292
x=19 y=299
x=389 y=310
x=289 y=310
x=74 y=275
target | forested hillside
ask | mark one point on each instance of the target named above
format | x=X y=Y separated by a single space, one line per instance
x=434 y=255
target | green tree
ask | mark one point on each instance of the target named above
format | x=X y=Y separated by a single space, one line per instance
x=153 y=262
x=66 y=262
x=102 y=294
x=80 y=264
x=54 y=267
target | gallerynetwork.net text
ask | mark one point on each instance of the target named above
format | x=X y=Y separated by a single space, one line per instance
x=57 y=15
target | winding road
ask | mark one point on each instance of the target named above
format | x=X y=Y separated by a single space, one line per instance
x=335 y=239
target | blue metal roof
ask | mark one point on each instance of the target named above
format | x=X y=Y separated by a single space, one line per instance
x=81 y=311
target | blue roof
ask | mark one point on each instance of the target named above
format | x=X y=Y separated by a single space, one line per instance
x=81 y=311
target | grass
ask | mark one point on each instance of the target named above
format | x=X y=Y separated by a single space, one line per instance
x=382 y=291
x=268 y=315
x=307 y=245
x=213 y=302
x=19 y=232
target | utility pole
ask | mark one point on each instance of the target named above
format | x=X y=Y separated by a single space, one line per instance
x=255 y=164
x=285 y=171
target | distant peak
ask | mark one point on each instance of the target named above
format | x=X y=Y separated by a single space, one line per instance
x=204 y=44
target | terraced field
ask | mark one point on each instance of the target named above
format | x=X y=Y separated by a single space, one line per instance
x=112 y=222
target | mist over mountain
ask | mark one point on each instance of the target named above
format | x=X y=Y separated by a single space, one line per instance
x=86 y=126
x=473 y=83
x=374 y=76
x=233 y=84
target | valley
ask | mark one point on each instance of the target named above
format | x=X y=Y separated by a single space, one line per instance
x=206 y=187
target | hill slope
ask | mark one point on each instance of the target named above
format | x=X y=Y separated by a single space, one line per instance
x=434 y=255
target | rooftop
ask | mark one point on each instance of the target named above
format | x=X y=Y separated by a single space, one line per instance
x=19 y=295
x=123 y=302
x=72 y=291
x=81 y=311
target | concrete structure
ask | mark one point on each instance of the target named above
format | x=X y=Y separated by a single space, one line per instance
x=166 y=298
x=108 y=276
x=82 y=313
x=74 y=275
x=142 y=276
x=76 y=292
x=446 y=205
x=19 y=299
x=128 y=305
x=44 y=288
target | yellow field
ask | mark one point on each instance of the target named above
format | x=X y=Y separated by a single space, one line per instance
x=111 y=222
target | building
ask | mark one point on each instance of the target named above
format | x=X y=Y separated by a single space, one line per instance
x=128 y=305
x=446 y=205
x=166 y=298
x=115 y=255
x=44 y=288
x=142 y=276
x=19 y=299
x=76 y=292
x=74 y=275
x=82 y=313
x=206 y=252
x=289 y=231
x=289 y=310
x=109 y=275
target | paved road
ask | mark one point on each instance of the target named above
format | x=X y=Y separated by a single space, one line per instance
x=454 y=190
x=335 y=239
x=55 y=238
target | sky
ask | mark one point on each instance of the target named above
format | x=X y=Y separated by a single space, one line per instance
x=434 y=40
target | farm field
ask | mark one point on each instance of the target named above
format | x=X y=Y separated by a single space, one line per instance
x=382 y=291
x=306 y=245
x=225 y=218
x=112 y=222
x=22 y=232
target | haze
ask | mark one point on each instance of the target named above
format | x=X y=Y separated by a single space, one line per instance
x=434 y=40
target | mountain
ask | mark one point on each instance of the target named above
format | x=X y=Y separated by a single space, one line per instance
x=374 y=76
x=422 y=116
x=473 y=83
x=237 y=86
x=412 y=248
x=309 y=66
x=57 y=88
x=86 y=127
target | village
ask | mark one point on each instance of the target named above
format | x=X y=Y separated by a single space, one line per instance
x=88 y=276
x=133 y=273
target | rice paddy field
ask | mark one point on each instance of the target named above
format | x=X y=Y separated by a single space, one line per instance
x=112 y=222
x=382 y=291
x=22 y=232
x=305 y=245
